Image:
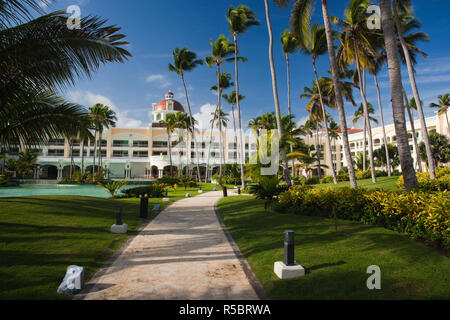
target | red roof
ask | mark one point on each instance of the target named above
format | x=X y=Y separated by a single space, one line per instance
x=348 y=130
x=170 y=93
x=161 y=106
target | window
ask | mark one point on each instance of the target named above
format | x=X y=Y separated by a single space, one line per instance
x=160 y=144
x=140 y=154
x=158 y=117
x=56 y=142
x=120 y=143
x=120 y=154
x=232 y=155
x=140 y=144
x=76 y=153
x=56 y=153
x=232 y=146
x=159 y=153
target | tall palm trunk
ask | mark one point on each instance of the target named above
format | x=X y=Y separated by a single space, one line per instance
x=412 y=79
x=242 y=146
x=288 y=72
x=192 y=124
x=338 y=94
x=100 y=162
x=388 y=159
x=209 y=151
x=366 y=115
x=413 y=129
x=95 y=150
x=286 y=172
x=406 y=162
x=169 y=142
x=218 y=114
x=319 y=171
x=82 y=157
x=325 y=120
x=71 y=159
x=235 y=133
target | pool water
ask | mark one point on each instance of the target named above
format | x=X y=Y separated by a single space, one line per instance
x=54 y=190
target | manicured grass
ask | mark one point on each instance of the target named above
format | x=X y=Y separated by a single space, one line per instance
x=336 y=262
x=385 y=183
x=41 y=236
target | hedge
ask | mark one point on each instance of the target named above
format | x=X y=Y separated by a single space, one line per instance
x=419 y=214
x=441 y=183
x=151 y=191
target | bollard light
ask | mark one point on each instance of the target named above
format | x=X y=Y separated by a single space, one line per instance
x=144 y=208
x=239 y=190
x=289 y=247
x=225 y=192
x=119 y=216
x=165 y=194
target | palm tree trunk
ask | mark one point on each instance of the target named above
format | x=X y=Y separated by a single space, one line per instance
x=413 y=129
x=338 y=94
x=192 y=124
x=406 y=162
x=286 y=172
x=218 y=115
x=288 y=69
x=448 y=122
x=388 y=160
x=71 y=159
x=209 y=151
x=318 y=150
x=366 y=115
x=95 y=150
x=169 y=142
x=82 y=157
x=242 y=146
x=325 y=120
x=238 y=153
x=100 y=151
x=412 y=79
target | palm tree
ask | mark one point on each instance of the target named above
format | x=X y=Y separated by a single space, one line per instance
x=240 y=19
x=281 y=3
x=410 y=105
x=395 y=76
x=231 y=99
x=409 y=63
x=30 y=110
x=170 y=123
x=360 y=114
x=312 y=41
x=102 y=117
x=84 y=136
x=224 y=82
x=443 y=105
x=220 y=50
x=374 y=69
x=185 y=61
x=357 y=47
x=333 y=131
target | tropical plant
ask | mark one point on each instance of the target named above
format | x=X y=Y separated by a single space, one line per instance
x=393 y=61
x=410 y=106
x=231 y=99
x=170 y=123
x=240 y=19
x=360 y=114
x=440 y=149
x=404 y=7
x=26 y=163
x=41 y=55
x=220 y=50
x=281 y=3
x=444 y=106
x=113 y=187
x=185 y=61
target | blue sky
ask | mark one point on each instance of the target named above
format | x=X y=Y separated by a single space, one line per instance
x=155 y=27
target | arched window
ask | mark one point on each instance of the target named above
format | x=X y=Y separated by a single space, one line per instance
x=158 y=117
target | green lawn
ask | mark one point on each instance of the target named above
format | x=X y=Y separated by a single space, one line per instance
x=336 y=262
x=41 y=236
x=385 y=183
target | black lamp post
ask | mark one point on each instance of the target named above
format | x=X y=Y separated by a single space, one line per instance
x=289 y=247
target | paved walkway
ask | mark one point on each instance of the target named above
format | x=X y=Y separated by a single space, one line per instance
x=182 y=254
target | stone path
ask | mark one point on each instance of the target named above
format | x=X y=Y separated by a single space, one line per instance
x=182 y=254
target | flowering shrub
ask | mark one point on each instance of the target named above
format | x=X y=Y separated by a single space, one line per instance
x=419 y=214
x=441 y=183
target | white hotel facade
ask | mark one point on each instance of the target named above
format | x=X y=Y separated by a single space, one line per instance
x=356 y=140
x=142 y=153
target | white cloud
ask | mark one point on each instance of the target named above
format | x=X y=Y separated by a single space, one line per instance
x=88 y=99
x=159 y=79
x=204 y=116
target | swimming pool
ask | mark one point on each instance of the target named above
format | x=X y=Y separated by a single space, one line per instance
x=54 y=190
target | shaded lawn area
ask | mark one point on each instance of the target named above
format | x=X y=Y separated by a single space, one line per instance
x=385 y=183
x=41 y=236
x=336 y=263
